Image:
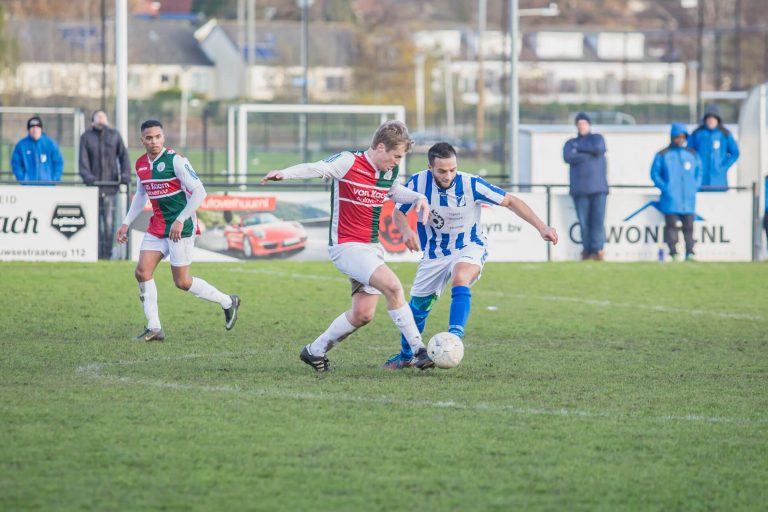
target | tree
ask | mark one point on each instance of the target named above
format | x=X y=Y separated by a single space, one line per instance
x=9 y=47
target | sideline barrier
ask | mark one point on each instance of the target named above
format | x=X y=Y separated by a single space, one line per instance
x=41 y=223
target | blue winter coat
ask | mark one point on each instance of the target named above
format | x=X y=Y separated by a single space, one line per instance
x=718 y=151
x=38 y=160
x=586 y=157
x=677 y=173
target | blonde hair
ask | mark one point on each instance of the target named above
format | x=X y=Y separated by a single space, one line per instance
x=392 y=134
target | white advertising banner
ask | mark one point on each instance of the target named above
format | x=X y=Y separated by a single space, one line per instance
x=634 y=227
x=294 y=225
x=39 y=223
x=510 y=238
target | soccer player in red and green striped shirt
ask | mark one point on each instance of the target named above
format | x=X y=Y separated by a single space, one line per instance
x=362 y=181
x=175 y=192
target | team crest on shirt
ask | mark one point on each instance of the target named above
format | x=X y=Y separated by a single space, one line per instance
x=716 y=144
x=437 y=221
x=161 y=167
x=687 y=166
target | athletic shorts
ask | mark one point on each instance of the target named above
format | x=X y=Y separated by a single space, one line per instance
x=180 y=252
x=433 y=275
x=358 y=261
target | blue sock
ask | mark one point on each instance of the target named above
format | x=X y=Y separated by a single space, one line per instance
x=421 y=307
x=461 y=300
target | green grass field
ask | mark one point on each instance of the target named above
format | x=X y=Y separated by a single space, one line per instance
x=584 y=387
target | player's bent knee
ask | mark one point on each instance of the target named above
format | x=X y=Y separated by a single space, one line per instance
x=362 y=317
x=142 y=275
x=183 y=284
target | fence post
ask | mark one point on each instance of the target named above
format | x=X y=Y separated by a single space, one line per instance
x=549 y=219
x=756 y=235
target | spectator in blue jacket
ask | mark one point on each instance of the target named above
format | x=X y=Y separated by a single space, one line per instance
x=677 y=172
x=716 y=147
x=585 y=154
x=36 y=157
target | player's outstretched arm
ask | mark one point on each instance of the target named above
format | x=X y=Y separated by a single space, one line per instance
x=334 y=167
x=522 y=210
x=410 y=239
x=272 y=176
x=404 y=195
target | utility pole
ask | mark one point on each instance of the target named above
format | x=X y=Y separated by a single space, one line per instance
x=104 y=56
x=304 y=5
x=480 y=119
x=700 y=69
x=514 y=92
x=121 y=66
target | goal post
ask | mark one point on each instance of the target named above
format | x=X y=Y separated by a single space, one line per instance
x=238 y=127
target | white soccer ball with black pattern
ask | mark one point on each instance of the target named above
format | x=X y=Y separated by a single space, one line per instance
x=445 y=349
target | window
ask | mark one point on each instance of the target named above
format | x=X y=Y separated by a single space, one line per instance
x=334 y=83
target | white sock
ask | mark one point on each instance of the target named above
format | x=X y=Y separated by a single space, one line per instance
x=202 y=290
x=403 y=318
x=148 y=296
x=336 y=332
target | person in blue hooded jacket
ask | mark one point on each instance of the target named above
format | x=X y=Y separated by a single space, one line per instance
x=716 y=147
x=585 y=154
x=677 y=172
x=37 y=157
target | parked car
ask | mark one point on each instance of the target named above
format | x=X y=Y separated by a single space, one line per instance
x=263 y=234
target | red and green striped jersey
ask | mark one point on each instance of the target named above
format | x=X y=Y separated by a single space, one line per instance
x=168 y=181
x=357 y=198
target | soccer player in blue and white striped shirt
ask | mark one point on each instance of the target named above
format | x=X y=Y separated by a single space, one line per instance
x=453 y=241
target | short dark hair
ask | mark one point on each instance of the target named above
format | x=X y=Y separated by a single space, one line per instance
x=440 y=150
x=151 y=123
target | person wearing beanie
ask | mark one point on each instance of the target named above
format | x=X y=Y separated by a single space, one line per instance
x=37 y=157
x=716 y=147
x=677 y=173
x=585 y=154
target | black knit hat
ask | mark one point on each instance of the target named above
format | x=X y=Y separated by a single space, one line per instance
x=34 y=121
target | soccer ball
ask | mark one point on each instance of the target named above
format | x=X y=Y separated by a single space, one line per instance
x=445 y=349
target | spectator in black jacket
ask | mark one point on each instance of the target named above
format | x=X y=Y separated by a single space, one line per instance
x=104 y=162
x=585 y=154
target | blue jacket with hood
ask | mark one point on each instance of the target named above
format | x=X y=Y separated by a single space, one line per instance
x=37 y=160
x=677 y=172
x=717 y=149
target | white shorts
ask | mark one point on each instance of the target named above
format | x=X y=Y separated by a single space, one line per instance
x=180 y=252
x=358 y=261
x=433 y=275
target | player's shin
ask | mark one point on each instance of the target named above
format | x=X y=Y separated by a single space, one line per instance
x=461 y=300
x=148 y=296
x=420 y=307
x=339 y=329
x=202 y=290
x=403 y=319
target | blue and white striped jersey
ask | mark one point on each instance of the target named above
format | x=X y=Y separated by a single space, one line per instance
x=455 y=219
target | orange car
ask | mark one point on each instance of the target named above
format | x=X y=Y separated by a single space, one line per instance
x=263 y=234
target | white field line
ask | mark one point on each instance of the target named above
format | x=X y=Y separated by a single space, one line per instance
x=549 y=298
x=95 y=371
